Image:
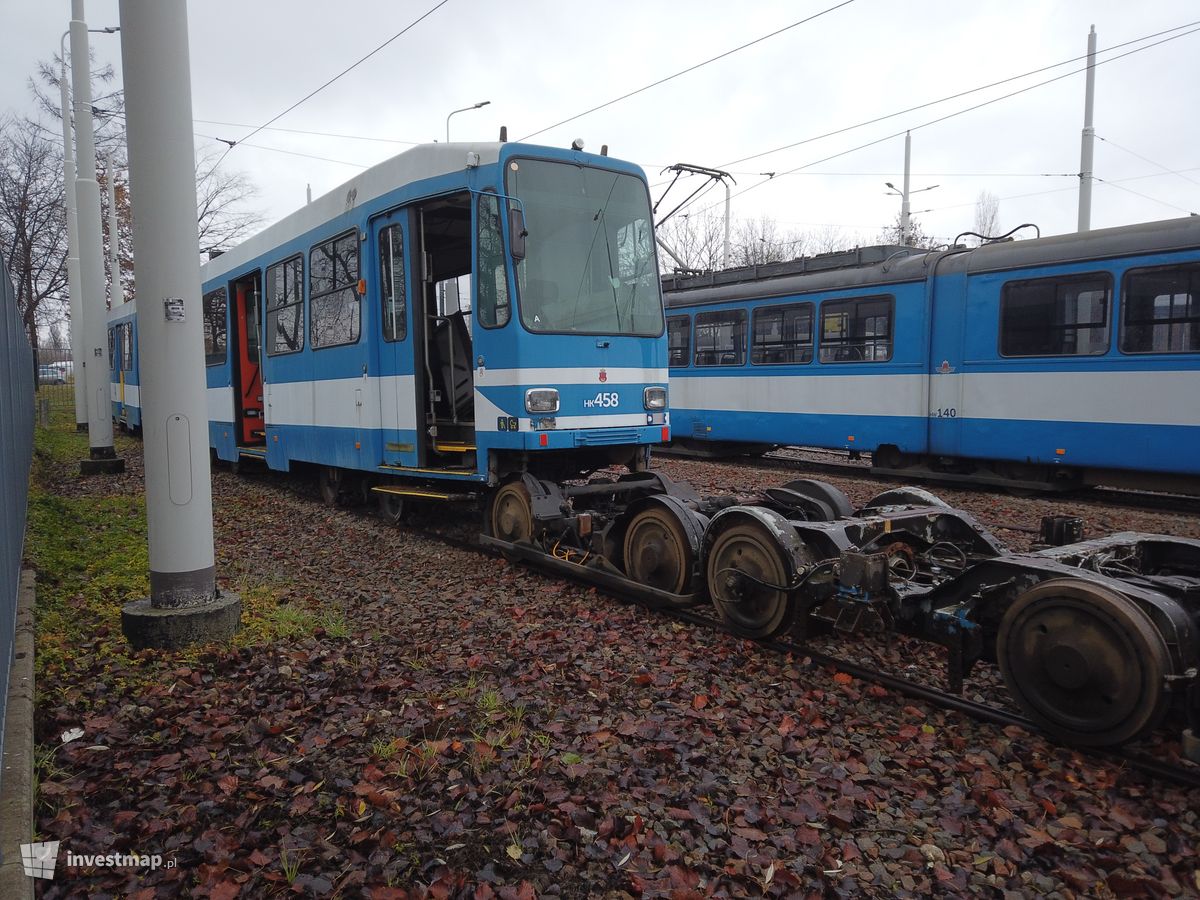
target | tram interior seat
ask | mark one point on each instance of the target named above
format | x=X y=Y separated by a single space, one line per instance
x=451 y=347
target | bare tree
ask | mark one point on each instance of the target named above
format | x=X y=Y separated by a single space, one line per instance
x=224 y=215
x=893 y=234
x=757 y=241
x=696 y=238
x=830 y=239
x=987 y=214
x=223 y=218
x=33 y=228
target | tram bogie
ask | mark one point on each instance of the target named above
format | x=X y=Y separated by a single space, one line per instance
x=1095 y=639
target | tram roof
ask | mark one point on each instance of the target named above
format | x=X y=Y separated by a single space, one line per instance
x=416 y=164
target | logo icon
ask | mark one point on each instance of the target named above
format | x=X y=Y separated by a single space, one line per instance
x=603 y=375
x=38 y=859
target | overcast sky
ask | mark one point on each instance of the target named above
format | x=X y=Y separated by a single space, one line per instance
x=542 y=62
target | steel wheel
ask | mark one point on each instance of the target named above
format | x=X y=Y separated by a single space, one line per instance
x=657 y=552
x=330 y=482
x=391 y=507
x=1084 y=662
x=511 y=516
x=744 y=559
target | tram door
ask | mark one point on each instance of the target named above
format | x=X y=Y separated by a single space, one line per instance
x=247 y=361
x=432 y=423
x=392 y=247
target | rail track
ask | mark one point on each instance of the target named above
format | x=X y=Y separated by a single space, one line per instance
x=701 y=615
x=838 y=465
x=1185 y=774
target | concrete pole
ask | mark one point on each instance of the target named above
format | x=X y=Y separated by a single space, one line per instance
x=904 y=206
x=725 y=251
x=103 y=459
x=116 y=295
x=184 y=605
x=81 y=417
x=1089 y=139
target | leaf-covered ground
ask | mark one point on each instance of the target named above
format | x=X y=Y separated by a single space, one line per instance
x=401 y=718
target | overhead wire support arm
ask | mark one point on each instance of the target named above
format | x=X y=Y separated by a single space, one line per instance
x=713 y=175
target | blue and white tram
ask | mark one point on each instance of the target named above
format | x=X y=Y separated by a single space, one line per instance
x=1067 y=360
x=458 y=314
x=124 y=383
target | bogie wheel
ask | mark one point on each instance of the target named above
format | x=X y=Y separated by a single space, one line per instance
x=330 y=482
x=391 y=507
x=657 y=552
x=511 y=514
x=745 y=569
x=1084 y=662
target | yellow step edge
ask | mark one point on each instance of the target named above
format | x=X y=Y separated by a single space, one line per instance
x=449 y=470
x=410 y=492
x=454 y=447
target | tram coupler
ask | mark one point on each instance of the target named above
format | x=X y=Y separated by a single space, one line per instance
x=1058 y=531
x=595 y=571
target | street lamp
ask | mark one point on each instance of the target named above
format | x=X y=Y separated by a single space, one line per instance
x=906 y=193
x=464 y=109
x=73 y=277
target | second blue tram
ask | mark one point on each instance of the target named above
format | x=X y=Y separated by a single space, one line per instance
x=125 y=387
x=453 y=316
x=1062 y=360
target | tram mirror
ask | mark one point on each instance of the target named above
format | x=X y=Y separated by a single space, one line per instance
x=516 y=232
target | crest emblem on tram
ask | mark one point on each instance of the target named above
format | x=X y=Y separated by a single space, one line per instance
x=603 y=376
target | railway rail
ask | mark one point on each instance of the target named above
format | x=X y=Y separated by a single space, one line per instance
x=1186 y=775
x=786 y=460
x=1096 y=640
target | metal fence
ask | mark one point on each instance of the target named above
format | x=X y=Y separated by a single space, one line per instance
x=16 y=450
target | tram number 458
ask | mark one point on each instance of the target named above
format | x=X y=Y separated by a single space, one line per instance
x=605 y=399
x=944 y=412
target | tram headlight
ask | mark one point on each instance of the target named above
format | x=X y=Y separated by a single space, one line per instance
x=655 y=398
x=541 y=400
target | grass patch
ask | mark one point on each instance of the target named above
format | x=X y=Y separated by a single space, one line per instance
x=91 y=556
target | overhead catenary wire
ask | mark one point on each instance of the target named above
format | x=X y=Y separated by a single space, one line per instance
x=960 y=112
x=1111 y=183
x=327 y=134
x=692 y=68
x=1165 y=169
x=335 y=78
x=975 y=90
x=340 y=162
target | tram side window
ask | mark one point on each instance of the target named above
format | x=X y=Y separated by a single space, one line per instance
x=112 y=348
x=1066 y=316
x=494 y=306
x=679 y=336
x=1161 y=310
x=333 y=292
x=391 y=283
x=858 y=330
x=782 y=335
x=285 y=307
x=215 y=305
x=721 y=338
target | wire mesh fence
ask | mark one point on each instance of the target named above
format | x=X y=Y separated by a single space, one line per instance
x=16 y=451
x=54 y=389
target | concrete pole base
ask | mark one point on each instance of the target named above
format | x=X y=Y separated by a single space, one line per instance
x=112 y=466
x=146 y=625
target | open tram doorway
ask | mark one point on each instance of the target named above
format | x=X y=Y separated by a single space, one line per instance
x=443 y=340
x=247 y=361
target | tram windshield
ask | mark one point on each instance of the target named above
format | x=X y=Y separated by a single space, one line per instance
x=589 y=263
